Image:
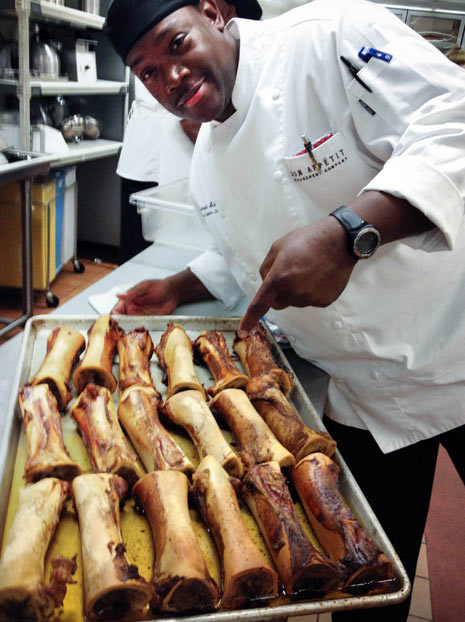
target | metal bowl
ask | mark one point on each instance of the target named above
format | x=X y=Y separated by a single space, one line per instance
x=91 y=127
x=73 y=128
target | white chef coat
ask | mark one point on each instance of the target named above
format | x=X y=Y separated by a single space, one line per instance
x=155 y=147
x=394 y=341
x=140 y=154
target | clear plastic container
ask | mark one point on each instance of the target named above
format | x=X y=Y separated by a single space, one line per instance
x=169 y=218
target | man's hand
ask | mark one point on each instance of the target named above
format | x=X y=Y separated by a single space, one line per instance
x=151 y=297
x=162 y=296
x=307 y=267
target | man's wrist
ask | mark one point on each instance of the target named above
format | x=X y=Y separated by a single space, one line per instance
x=362 y=238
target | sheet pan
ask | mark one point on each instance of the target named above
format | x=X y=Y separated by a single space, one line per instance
x=32 y=351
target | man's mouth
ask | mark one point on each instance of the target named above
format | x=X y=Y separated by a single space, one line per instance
x=193 y=95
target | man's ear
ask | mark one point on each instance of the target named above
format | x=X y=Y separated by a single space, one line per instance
x=210 y=9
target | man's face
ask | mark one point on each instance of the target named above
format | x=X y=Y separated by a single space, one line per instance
x=188 y=63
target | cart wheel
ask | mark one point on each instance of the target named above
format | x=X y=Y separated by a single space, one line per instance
x=78 y=266
x=51 y=300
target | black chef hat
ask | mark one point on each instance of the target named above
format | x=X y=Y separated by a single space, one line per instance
x=128 y=20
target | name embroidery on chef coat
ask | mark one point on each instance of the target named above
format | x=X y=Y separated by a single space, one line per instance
x=209 y=209
x=328 y=163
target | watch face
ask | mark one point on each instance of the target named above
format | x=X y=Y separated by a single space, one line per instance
x=366 y=242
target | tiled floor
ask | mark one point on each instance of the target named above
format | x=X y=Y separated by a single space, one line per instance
x=67 y=284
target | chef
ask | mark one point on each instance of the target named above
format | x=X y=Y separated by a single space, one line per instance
x=330 y=175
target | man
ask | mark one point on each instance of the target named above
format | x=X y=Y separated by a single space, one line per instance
x=382 y=113
x=150 y=130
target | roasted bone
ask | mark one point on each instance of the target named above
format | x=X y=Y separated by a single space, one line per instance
x=189 y=410
x=257 y=358
x=138 y=412
x=301 y=567
x=46 y=452
x=212 y=347
x=96 y=366
x=345 y=540
x=112 y=585
x=246 y=573
x=103 y=437
x=284 y=422
x=181 y=578
x=23 y=593
x=64 y=345
x=255 y=440
x=176 y=357
x=135 y=349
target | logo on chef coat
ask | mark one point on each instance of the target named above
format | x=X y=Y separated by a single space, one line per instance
x=303 y=168
x=209 y=209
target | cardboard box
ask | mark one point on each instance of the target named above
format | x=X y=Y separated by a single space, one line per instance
x=43 y=234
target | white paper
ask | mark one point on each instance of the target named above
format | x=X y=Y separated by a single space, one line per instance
x=104 y=303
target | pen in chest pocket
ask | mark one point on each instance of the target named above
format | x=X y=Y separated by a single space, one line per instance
x=354 y=71
x=309 y=149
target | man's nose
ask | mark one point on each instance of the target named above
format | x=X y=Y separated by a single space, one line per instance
x=175 y=75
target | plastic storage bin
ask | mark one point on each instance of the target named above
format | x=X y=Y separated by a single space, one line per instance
x=69 y=230
x=43 y=234
x=59 y=214
x=168 y=217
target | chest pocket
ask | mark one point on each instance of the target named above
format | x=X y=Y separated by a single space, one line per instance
x=338 y=176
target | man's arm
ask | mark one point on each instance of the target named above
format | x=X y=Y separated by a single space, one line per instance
x=311 y=266
x=162 y=296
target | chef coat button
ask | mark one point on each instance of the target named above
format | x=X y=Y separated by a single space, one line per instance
x=337 y=324
x=253 y=278
x=221 y=214
x=375 y=374
x=278 y=176
x=275 y=95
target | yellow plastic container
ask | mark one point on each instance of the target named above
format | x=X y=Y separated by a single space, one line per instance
x=43 y=234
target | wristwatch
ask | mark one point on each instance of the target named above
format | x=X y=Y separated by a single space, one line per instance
x=362 y=238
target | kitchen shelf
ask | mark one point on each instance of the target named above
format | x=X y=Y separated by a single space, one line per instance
x=43 y=10
x=68 y=87
x=85 y=151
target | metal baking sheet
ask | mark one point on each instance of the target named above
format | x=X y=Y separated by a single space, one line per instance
x=32 y=352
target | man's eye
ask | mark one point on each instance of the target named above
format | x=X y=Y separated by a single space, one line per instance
x=177 y=42
x=146 y=74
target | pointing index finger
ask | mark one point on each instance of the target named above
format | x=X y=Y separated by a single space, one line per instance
x=254 y=312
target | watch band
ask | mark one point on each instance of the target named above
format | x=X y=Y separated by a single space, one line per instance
x=351 y=221
x=362 y=238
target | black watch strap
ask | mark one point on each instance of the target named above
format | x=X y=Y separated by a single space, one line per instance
x=362 y=238
x=351 y=222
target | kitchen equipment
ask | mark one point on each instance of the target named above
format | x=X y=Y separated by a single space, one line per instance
x=3 y=147
x=58 y=110
x=44 y=57
x=91 y=6
x=91 y=127
x=73 y=128
x=40 y=112
x=163 y=208
x=46 y=139
x=86 y=62
x=33 y=348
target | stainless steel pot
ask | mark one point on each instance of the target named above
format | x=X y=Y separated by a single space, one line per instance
x=44 y=58
x=91 y=6
x=91 y=127
x=73 y=128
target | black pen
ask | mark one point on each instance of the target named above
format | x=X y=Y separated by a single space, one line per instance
x=309 y=150
x=354 y=71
